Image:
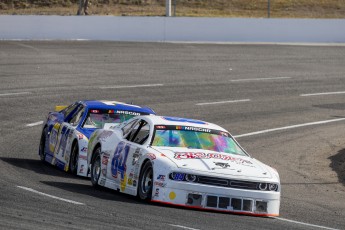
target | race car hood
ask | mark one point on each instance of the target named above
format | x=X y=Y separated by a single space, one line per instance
x=215 y=162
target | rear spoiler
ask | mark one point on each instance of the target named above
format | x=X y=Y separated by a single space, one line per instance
x=58 y=108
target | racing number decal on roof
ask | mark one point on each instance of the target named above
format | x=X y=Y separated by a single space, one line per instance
x=118 y=164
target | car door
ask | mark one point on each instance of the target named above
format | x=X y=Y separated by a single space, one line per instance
x=124 y=162
x=65 y=134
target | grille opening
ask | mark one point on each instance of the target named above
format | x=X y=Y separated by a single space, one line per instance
x=261 y=206
x=236 y=204
x=247 y=205
x=243 y=184
x=224 y=202
x=194 y=199
x=212 y=201
x=213 y=181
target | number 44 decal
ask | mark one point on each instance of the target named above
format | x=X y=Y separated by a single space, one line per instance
x=118 y=164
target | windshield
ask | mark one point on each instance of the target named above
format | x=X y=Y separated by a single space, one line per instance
x=96 y=118
x=196 y=138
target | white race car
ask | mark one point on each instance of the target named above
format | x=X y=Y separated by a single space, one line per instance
x=182 y=162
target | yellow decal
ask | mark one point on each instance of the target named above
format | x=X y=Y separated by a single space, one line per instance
x=123 y=183
x=58 y=108
x=172 y=195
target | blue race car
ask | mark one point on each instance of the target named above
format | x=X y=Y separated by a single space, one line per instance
x=66 y=132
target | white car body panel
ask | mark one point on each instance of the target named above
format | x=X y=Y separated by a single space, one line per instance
x=121 y=170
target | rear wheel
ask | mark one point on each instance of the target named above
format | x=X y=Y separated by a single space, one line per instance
x=146 y=182
x=42 y=151
x=73 y=161
x=96 y=167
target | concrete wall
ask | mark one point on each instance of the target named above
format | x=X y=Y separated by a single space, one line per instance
x=177 y=29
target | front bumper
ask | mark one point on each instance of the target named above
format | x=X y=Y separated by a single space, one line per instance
x=199 y=196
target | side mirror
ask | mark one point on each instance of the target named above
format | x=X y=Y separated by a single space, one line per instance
x=58 y=108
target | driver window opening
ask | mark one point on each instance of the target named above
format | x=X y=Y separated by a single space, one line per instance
x=140 y=133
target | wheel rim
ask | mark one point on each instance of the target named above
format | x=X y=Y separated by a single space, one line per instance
x=146 y=183
x=96 y=170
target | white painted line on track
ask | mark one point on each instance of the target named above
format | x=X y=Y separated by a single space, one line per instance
x=320 y=94
x=51 y=196
x=302 y=223
x=222 y=102
x=130 y=86
x=184 y=227
x=260 y=79
x=289 y=127
x=12 y=94
x=35 y=124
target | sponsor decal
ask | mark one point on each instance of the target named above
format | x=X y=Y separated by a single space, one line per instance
x=157 y=192
x=123 y=184
x=151 y=156
x=221 y=164
x=136 y=156
x=105 y=159
x=161 y=177
x=201 y=155
x=224 y=134
x=104 y=135
x=82 y=157
x=172 y=195
x=81 y=170
x=127 y=112
x=80 y=136
x=160 y=184
x=130 y=181
x=134 y=183
x=198 y=129
x=84 y=149
x=102 y=182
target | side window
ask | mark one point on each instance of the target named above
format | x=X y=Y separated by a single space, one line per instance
x=70 y=109
x=128 y=128
x=77 y=116
x=142 y=134
x=139 y=133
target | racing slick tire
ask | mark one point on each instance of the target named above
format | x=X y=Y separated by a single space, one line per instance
x=146 y=182
x=96 y=167
x=73 y=162
x=42 y=152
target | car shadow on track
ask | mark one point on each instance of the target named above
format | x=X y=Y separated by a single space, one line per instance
x=38 y=167
x=79 y=185
x=338 y=165
x=99 y=192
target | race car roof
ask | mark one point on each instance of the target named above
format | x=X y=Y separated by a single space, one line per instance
x=178 y=121
x=116 y=105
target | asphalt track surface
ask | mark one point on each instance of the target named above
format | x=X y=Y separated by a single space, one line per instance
x=244 y=88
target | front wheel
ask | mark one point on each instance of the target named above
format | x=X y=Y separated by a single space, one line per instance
x=146 y=182
x=42 y=151
x=96 y=167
